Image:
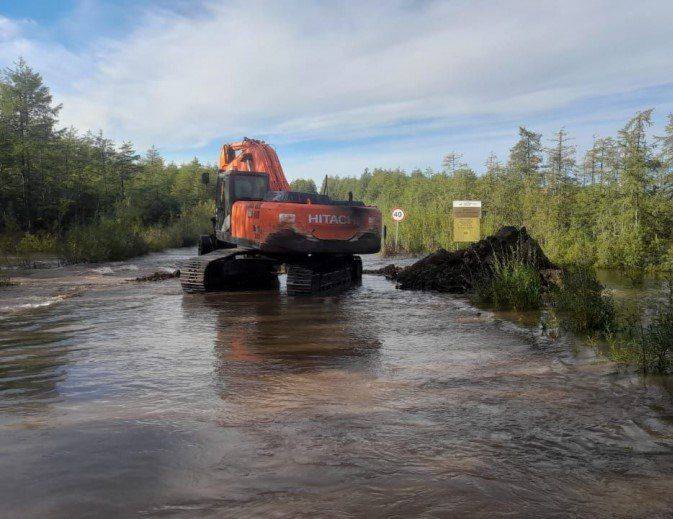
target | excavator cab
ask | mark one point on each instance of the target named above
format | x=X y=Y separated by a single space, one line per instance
x=238 y=185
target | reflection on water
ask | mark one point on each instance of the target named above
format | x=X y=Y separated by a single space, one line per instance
x=625 y=288
x=270 y=323
x=138 y=400
x=33 y=357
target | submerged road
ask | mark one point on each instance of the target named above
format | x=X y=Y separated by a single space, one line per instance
x=123 y=399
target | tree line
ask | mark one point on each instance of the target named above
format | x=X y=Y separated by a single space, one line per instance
x=58 y=182
x=612 y=208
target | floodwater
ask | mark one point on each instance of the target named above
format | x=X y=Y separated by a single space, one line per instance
x=128 y=399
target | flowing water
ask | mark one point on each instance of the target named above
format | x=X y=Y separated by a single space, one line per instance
x=124 y=399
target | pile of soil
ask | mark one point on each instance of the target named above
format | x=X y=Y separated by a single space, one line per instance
x=389 y=271
x=159 y=276
x=458 y=271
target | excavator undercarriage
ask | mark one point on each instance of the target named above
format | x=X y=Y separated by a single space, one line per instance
x=229 y=269
x=323 y=274
x=248 y=269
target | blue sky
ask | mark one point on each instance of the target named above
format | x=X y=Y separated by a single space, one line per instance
x=337 y=87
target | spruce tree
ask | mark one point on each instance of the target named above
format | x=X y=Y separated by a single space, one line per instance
x=27 y=119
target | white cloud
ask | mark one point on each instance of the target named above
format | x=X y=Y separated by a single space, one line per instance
x=335 y=71
x=8 y=29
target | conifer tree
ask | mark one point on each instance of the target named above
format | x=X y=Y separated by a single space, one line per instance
x=27 y=119
x=525 y=157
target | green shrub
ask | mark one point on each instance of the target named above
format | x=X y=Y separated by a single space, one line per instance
x=512 y=284
x=31 y=245
x=580 y=303
x=182 y=232
x=657 y=338
x=667 y=262
x=4 y=279
x=649 y=346
x=106 y=240
x=570 y=247
x=7 y=245
x=112 y=239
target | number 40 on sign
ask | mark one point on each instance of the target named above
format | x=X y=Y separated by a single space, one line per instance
x=398 y=214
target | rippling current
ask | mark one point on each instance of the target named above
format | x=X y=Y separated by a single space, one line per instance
x=124 y=399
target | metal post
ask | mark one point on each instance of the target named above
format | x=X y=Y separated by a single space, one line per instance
x=397 y=232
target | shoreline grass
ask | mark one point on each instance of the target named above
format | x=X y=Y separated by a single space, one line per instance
x=511 y=284
x=645 y=339
x=109 y=239
x=579 y=301
x=624 y=332
x=5 y=280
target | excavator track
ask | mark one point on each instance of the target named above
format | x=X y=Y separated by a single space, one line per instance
x=315 y=276
x=228 y=269
x=247 y=269
x=193 y=271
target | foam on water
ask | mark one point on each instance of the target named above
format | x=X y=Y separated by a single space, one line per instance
x=105 y=271
x=29 y=306
x=130 y=267
x=35 y=303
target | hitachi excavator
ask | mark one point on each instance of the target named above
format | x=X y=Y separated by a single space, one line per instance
x=260 y=225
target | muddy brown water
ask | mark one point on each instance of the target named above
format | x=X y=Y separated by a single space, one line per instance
x=125 y=399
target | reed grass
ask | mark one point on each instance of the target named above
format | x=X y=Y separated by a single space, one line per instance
x=5 y=280
x=510 y=284
x=115 y=239
x=580 y=303
x=646 y=342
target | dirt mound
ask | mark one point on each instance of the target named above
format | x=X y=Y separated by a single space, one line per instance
x=458 y=271
x=389 y=271
x=159 y=276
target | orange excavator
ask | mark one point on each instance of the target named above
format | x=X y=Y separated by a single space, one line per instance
x=260 y=225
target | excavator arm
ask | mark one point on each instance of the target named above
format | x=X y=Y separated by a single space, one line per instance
x=254 y=156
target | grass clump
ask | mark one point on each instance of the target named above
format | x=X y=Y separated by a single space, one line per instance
x=30 y=246
x=647 y=343
x=27 y=248
x=510 y=285
x=120 y=238
x=182 y=232
x=107 y=239
x=580 y=303
x=5 y=280
x=656 y=339
x=629 y=334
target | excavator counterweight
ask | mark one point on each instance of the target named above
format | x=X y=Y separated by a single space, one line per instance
x=260 y=225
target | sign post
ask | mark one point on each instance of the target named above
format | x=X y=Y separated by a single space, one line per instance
x=466 y=220
x=398 y=216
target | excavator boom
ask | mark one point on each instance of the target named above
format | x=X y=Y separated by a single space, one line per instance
x=253 y=155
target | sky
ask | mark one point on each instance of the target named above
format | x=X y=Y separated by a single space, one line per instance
x=337 y=87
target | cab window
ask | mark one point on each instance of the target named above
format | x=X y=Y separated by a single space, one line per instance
x=250 y=187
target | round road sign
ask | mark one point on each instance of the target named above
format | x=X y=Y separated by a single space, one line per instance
x=398 y=214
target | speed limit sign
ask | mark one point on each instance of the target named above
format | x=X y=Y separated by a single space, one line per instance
x=398 y=214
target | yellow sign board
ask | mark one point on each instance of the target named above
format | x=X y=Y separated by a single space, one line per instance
x=466 y=229
x=466 y=220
